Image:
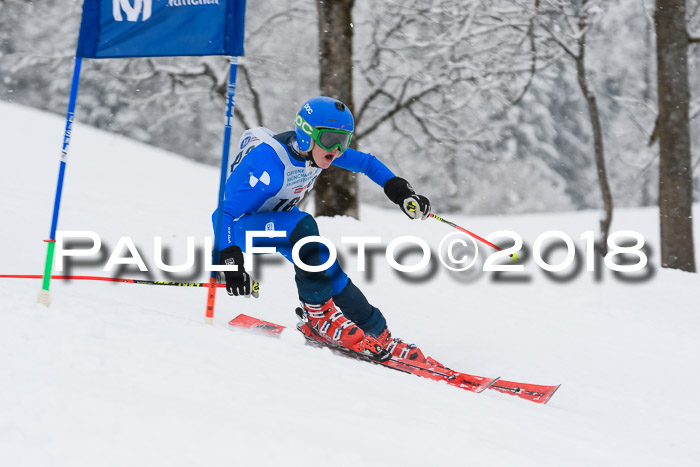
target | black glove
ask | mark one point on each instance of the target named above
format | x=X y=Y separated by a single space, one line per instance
x=401 y=192
x=237 y=282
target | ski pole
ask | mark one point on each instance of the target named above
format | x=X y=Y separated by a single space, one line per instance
x=112 y=279
x=255 y=286
x=513 y=257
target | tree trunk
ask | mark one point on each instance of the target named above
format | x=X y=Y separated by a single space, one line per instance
x=675 y=174
x=336 y=190
x=597 y=133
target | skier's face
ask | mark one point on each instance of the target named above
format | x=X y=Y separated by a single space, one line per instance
x=324 y=158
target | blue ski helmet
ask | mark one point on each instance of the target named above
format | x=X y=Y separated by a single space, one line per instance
x=324 y=113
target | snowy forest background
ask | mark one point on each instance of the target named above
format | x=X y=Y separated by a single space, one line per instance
x=476 y=102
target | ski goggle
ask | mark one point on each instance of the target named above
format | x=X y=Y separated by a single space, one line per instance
x=327 y=138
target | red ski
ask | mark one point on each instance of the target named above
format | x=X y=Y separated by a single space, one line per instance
x=453 y=378
x=532 y=392
x=255 y=324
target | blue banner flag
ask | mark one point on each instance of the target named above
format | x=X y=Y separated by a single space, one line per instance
x=161 y=28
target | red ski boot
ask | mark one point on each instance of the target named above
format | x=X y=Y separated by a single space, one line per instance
x=328 y=323
x=399 y=349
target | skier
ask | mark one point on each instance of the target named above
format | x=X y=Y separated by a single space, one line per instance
x=268 y=177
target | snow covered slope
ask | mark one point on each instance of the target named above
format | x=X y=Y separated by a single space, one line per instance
x=122 y=374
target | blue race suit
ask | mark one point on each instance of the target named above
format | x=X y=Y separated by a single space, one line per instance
x=267 y=179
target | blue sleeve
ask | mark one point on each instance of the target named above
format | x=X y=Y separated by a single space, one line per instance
x=365 y=163
x=256 y=179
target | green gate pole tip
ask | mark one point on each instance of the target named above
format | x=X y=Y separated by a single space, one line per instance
x=44 y=293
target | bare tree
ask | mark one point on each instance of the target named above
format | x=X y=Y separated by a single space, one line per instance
x=336 y=190
x=574 y=21
x=425 y=68
x=437 y=79
x=423 y=55
x=675 y=172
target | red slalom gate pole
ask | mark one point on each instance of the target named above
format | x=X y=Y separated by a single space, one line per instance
x=211 y=299
x=513 y=257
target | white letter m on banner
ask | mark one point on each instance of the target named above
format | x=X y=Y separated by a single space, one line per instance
x=132 y=13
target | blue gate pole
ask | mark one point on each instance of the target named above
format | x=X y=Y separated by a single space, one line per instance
x=211 y=292
x=51 y=242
